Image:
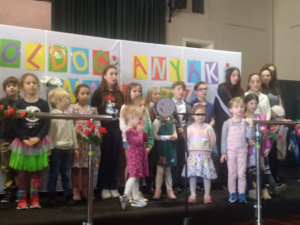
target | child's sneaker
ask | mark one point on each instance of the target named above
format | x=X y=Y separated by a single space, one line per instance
x=233 y=198
x=141 y=196
x=192 y=199
x=114 y=193
x=207 y=200
x=138 y=203
x=34 y=202
x=252 y=194
x=280 y=189
x=123 y=201
x=242 y=198
x=22 y=204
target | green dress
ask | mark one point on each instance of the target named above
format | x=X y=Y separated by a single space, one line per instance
x=164 y=152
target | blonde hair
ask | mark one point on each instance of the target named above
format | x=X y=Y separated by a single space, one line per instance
x=131 y=110
x=23 y=77
x=55 y=94
x=148 y=99
x=137 y=101
x=235 y=100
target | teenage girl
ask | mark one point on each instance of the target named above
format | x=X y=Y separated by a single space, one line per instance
x=80 y=159
x=153 y=95
x=108 y=98
x=31 y=145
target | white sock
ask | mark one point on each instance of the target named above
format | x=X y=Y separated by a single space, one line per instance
x=207 y=184
x=135 y=189
x=168 y=177
x=159 y=177
x=193 y=184
x=129 y=185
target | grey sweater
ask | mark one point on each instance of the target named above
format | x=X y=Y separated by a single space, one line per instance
x=249 y=133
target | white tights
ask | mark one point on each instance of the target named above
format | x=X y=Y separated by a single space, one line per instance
x=132 y=186
x=161 y=170
x=193 y=183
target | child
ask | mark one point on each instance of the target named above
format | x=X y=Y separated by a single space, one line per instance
x=201 y=139
x=80 y=162
x=63 y=137
x=164 y=153
x=234 y=148
x=251 y=101
x=139 y=102
x=137 y=155
x=153 y=95
x=178 y=90
x=200 y=90
x=31 y=145
x=108 y=99
x=7 y=135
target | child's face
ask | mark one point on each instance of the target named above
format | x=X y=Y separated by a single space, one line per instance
x=142 y=106
x=135 y=92
x=135 y=121
x=111 y=77
x=252 y=106
x=155 y=96
x=83 y=95
x=64 y=102
x=199 y=119
x=237 y=109
x=255 y=83
x=30 y=85
x=12 y=89
x=178 y=92
x=201 y=91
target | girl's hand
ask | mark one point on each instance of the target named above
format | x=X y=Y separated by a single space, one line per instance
x=48 y=154
x=76 y=154
x=148 y=150
x=34 y=140
x=173 y=137
x=140 y=128
x=26 y=142
x=223 y=158
x=251 y=143
x=266 y=153
x=249 y=121
x=180 y=131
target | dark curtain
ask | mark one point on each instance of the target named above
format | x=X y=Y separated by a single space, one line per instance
x=135 y=20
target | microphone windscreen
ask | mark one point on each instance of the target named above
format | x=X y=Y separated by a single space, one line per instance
x=151 y=104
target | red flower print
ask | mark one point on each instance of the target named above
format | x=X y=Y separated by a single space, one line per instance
x=163 y=160
x=22 y=114
x=298 y=133
x=92 y=127
x=88 y=123
x=273 y=128
x=79 y=127
x=110 y=97
x=11 y=111
x=87 y=132
x=265 y=131
x=114 y=57
x=1 y=106
x=296 y=127
x=280 y=135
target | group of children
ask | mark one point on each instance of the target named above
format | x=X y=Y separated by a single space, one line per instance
x=154 y=144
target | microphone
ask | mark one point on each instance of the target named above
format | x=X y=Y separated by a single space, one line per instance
x=152 y=105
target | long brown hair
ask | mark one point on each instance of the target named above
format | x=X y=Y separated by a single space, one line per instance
x=103 y=87
x=130 y=86
x=273 y=85
x=233 y=90
x=148 y=99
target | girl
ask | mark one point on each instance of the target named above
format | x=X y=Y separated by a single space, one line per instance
x=164 y=155
x=254 y=85
x=270 y=87
x=229 y=89
x=80 y=161
x=137 y=155
x=31 y=145
x=201 y=139
x=139 y=102
x=108 y=99
x=252 y=102
x=153 y=95
x=234 y=144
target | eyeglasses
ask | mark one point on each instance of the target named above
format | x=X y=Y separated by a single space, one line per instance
x=202 y=89
x=265 y=76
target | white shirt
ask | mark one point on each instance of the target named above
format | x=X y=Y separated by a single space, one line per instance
x=263 y=105
x=180 y=106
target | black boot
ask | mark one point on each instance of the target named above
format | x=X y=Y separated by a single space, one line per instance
x=9 y=196
x=51 y=200
x=69 y=200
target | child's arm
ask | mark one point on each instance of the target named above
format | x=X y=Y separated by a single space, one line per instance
x=225 y=130
x=123 y=126
x=74 y=139
x=150 y=142
x=213 y=116
x=155 y=128
x=52 y=130
x=211 y=136
x=147 y=115
x=212 y=122
x=174 y=137
x=44 y=131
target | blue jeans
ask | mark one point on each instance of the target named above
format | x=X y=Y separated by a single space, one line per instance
x=108 y=169
x=60 y=162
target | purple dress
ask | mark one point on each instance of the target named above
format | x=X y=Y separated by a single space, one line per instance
x=137 y=159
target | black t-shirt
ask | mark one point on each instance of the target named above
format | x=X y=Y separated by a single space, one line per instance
x=32 y=127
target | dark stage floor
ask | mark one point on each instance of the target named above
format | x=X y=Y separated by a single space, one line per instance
x=163 y=212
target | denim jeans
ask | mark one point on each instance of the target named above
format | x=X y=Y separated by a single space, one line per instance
x=60 y=163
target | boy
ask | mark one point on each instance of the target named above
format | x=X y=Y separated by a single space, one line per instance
x=200 y=89
x=178 y=90
x=63 y=137
x=11 y=87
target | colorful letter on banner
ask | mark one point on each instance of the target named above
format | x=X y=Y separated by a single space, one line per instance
x=176 y=69
x=93 y=84
x=58 y=58
x=80 y=60
x=100 y=61
x=211 y=73
x=34 y=56
x=166 y=92
x=10 y=53
x=140 y=67
x=193 y=71
x=159 y=68
x=69 y=85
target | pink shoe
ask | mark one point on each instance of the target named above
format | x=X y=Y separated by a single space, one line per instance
x=192 y=199
x=157 y=193
x=171 y=194
x=207 y=200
